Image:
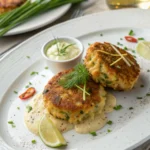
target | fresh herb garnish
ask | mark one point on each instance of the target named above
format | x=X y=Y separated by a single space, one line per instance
x=78 y=76
x=131 y=33
x=139 y=97
x=27 y=86
x=108 y=130
x=18 y=108
x=118 y=43
x=110 y=122
x=15 y=92
x=141 y=38
x=33 y=141
x=130 y=108
x=125 y=48
x=89 y=44
x=118 y=107
x=12 y=124
x=30 y=83
x=28 y=57
x=101 y=34
x=148 y=94
x=46 y=67
x=93 y=133
x=33 y=73
x=29 y=108
x=148 y=70
x=141 y=85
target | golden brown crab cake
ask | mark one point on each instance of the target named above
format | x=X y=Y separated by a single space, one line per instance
x=68 y=104
x=7 y=5
x=106 y=66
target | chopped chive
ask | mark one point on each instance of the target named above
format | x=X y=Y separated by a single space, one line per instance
x=130 y=108
x=93 y=133
x=125 y=48
x=141 y=38
x=33 y=73
x=118 y=107
x=110 y=122
x=18 y=108
x=33 y=141
x=30 y=83
x=121 y=38
x=148 y=94
x=27 y=86
x=118 y=43
x=139 y=97
x=142 y=85
x=15 y=92
x=46 y=67
x=28 y=57
x=131 y=33
x=29 y=108
x=10 y=122
x=89 y=44
x=101 y=34
x=108 y=130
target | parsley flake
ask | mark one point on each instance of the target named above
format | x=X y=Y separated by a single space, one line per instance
x=142 y=85
x=29 y=108
x=33 y=73
x=101 y=34
x=108 y=130
x=141 y=38
x=118 y=107
x=28 y=57
x=33 y=141
x=12 y=124
x=130 y=108
x=139 y=97
x=93 y=133
x=131 y=33
x=148 y=94
x=15 y=92
x=46 y=67
x=18 y=108
x=110 y=122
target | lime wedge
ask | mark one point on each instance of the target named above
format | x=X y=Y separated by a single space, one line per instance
x=49 y=134
x=143 y=49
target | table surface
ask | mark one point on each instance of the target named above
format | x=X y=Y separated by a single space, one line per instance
x=10 y=41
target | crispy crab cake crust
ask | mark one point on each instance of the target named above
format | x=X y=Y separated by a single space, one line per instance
x=68 y=104
x=118 y=76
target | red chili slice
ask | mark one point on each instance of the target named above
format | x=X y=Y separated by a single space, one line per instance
x=131 y=39
x=28 y=93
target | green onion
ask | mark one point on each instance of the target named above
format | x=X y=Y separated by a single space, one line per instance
x=139 y=97
x=28 y=10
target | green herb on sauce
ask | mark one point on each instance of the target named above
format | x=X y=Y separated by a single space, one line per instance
x=148 y=94
x=125 y=48
x=101 y=34
x=28 y=57
x=108 y=130
x=29 y=108
x=142 y=85
x=18 y=108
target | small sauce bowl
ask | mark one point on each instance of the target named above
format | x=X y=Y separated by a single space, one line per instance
x=60 y=65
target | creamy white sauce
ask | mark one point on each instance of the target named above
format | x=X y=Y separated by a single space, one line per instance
x=54 y=53
x=33 y=117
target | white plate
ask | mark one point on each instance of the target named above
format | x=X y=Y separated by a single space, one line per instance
x=40 y=20
x=130 y=128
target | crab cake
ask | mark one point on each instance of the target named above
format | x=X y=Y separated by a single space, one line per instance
x=68 y=104
x=107 y=67
x=7 y=5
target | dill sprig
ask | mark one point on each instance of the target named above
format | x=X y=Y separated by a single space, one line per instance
x=78 y=76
